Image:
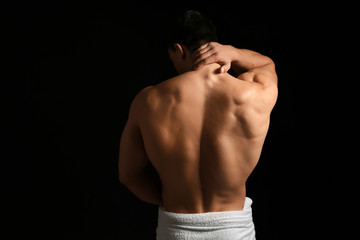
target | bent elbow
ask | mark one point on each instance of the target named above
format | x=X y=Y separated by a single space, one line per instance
x=269 y=62
x=123 y=178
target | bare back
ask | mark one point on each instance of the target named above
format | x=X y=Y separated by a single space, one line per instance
x=203 y=132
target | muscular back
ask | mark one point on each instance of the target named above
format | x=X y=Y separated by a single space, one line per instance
x=203 y=132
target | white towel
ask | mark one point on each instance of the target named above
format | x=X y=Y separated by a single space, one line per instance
x=226 y=225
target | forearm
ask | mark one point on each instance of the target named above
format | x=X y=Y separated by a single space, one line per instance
x=243 y=60
x=146 y=186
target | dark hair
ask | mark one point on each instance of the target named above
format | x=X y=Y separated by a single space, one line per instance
x=192 y=29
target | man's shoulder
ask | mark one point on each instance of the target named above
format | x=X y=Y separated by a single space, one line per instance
x=143 y=95
x=178 y=80
x=149 y=96
x=167 y=87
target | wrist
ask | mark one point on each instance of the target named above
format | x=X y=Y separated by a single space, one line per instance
x=231 y=52
x=237 y=60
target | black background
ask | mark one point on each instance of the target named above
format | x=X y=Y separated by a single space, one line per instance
x=72 y=70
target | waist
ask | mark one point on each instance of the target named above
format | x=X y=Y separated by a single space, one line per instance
x=208 y=225
x=203 y=216
x=199 y=202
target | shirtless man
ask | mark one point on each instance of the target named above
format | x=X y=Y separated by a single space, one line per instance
x=202 y=132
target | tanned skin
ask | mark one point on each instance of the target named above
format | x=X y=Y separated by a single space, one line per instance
x=192 y=141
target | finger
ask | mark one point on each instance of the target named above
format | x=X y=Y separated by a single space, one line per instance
x=222 y=69
x=225 y=68
x=198 y=51
x=203 y=56
x=204 y=46
x=203 y=53
x=203 y=49
x=204 y=61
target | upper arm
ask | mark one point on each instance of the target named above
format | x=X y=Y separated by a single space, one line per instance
x=132 y=155
x=263 y=80
x=263 y=75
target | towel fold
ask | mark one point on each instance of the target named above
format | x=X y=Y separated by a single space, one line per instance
x=226 y=225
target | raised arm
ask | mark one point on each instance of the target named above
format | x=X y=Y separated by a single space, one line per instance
x=248 y=65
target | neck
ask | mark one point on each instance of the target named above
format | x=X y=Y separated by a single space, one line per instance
x=213 y=68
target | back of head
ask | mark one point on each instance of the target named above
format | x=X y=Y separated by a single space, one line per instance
x=192 y=30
